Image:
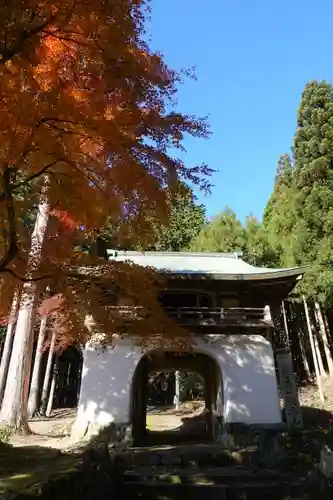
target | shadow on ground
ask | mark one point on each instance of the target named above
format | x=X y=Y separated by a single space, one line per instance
x=21 y=468
x=317 y=431
x=297 y=450
x=44 y=473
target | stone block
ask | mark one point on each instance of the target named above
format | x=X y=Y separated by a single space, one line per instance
x=326 y=462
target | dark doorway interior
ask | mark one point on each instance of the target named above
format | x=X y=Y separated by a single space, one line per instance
x=153 y=392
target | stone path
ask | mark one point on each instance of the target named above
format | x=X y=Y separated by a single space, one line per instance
x=168 y=419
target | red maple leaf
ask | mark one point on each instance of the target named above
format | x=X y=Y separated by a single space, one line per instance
x=66 y=219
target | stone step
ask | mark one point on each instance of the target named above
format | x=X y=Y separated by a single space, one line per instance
x=241 y=489
x=196 y=474
x=204 y=470
x=184 y=456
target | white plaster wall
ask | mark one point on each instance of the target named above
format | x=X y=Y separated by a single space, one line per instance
x=105 y=393
x=250 y=393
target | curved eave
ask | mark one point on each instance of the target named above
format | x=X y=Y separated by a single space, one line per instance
x=296 y=273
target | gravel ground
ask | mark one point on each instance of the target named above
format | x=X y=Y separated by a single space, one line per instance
x=309 y=396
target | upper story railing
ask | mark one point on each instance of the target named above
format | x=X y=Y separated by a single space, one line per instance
x=205 y=317
x=235 y=316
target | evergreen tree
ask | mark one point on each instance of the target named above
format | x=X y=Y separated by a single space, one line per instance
x=224 y=233
x=284 y=171
x=299 y=215
x=313 y=153
x=186 y=218
x=279 y=215
x=258 y=251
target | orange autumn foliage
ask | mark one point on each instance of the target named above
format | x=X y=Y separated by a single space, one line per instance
x=85 y=101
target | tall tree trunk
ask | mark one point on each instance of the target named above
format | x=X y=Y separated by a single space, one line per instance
x=313 y=349
x=53 y=386
x=328 y=330
x=323 y=332
x=34 y=386
x=299 y=341
x=14 y=411
x=46 y=383
x=304 y=355
x=318 y=352
x=285 y=322
x=7 y=349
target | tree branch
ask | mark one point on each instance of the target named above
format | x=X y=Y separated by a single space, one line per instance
x=23 y=279
x=34 y=176
x=27 y=180
x=9 y=52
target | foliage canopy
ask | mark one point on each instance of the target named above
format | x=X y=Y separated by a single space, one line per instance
x=86 y=113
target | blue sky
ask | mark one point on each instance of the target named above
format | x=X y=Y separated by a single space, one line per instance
x=252 y=58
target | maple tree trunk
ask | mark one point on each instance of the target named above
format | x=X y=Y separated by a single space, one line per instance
x=46 y=383
x=53 y=385
x=34 y=386
x=7 y=349
x=14 y=410
x=313 y=349
x=323 y=332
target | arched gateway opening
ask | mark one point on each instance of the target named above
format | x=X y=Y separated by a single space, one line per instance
x=149 y=397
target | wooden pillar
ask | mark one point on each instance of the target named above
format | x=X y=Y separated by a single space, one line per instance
x=177 y=390
x=273 y=334
x=209 y=398
x=139 y=402
x=143 y=397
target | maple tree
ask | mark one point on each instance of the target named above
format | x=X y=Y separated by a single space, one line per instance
x=84 y=101
x=85 y=122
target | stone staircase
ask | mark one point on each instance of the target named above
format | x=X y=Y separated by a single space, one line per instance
x=197 y=471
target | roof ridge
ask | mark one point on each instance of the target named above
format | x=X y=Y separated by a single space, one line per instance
x=132 y=253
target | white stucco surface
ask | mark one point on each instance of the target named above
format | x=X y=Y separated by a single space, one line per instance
x=250 y=393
